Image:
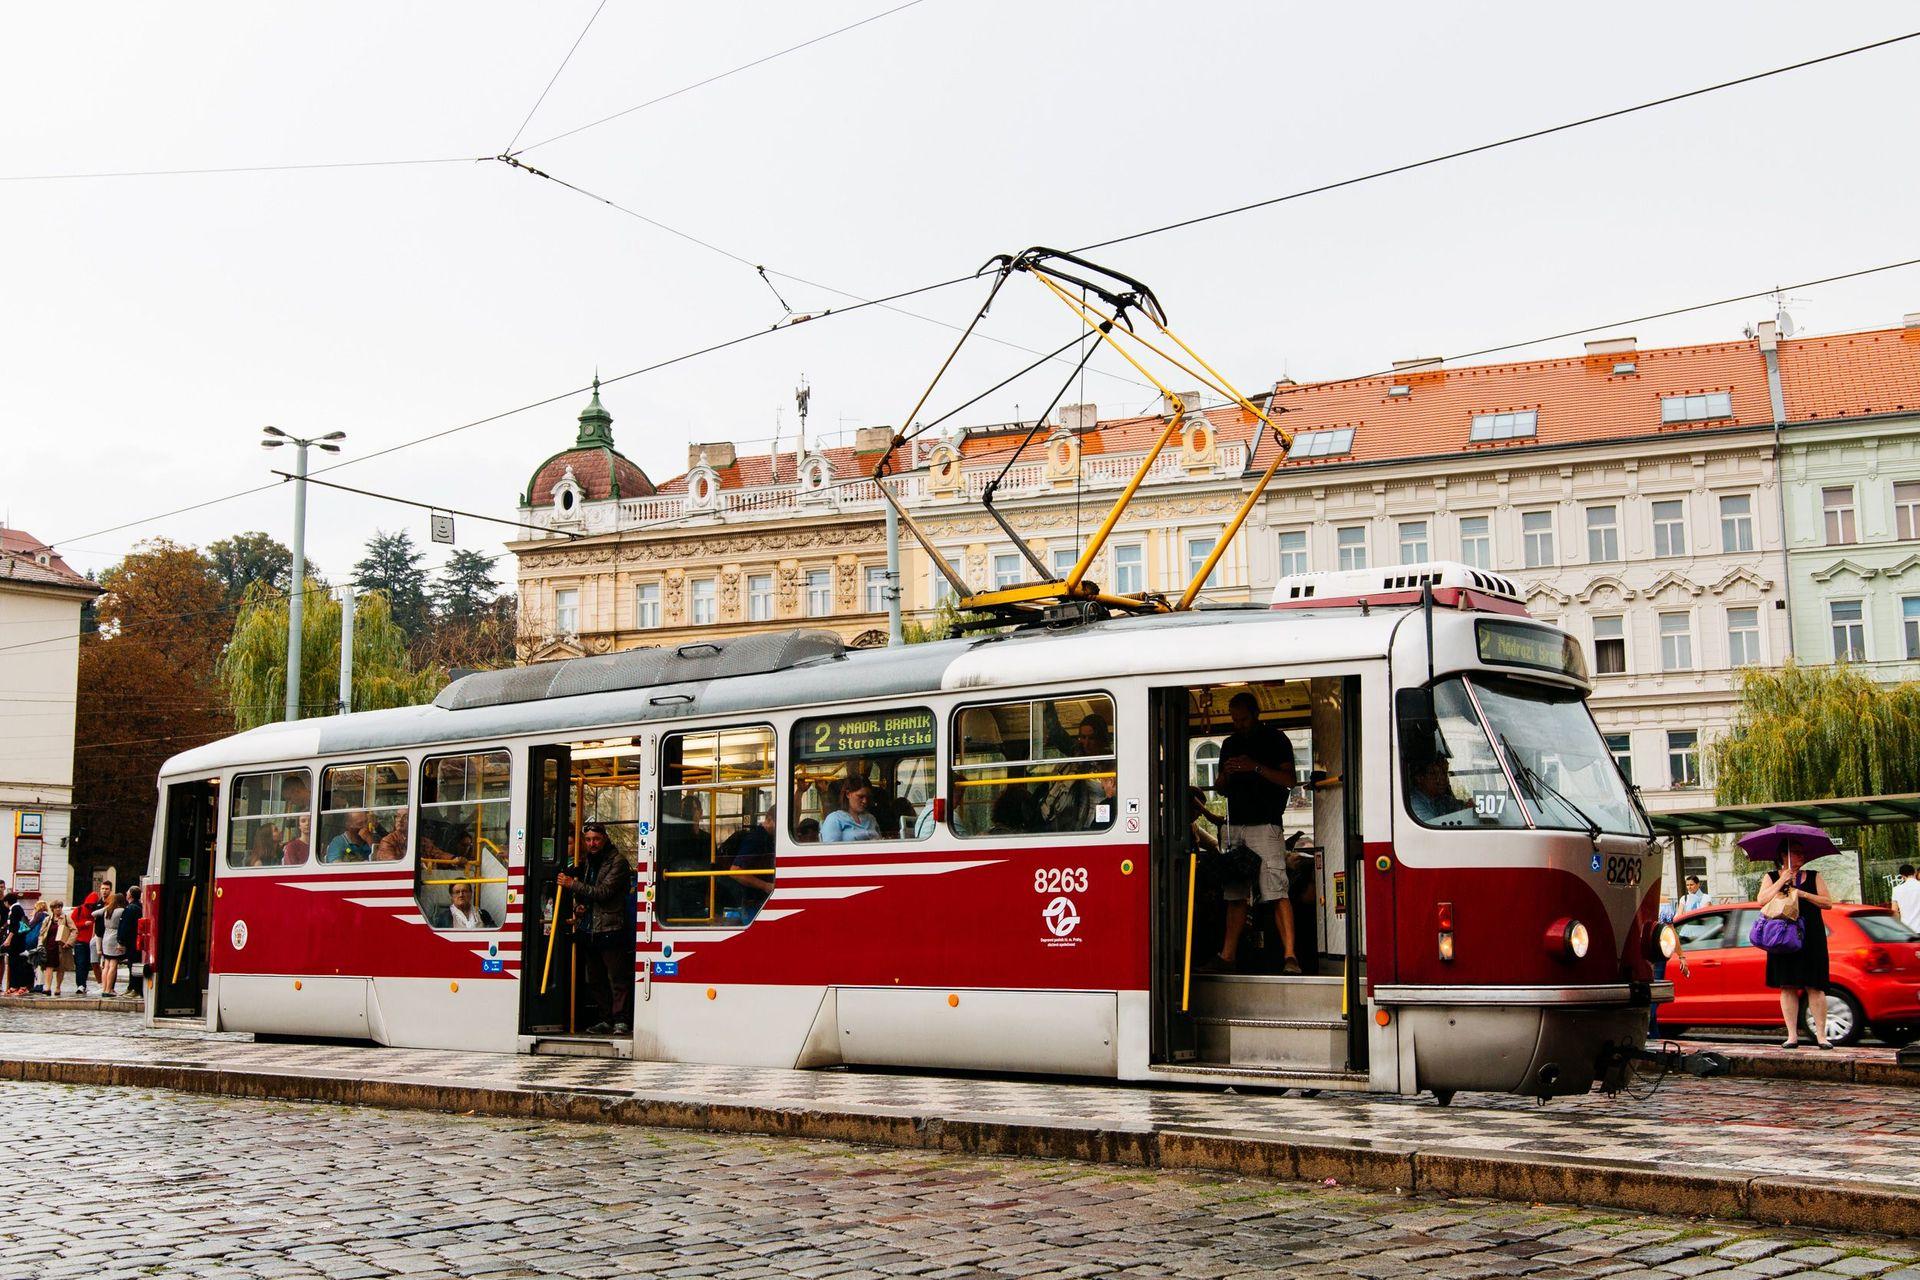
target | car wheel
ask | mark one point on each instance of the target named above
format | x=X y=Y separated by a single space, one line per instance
x=1845 y=1021
x=1896 y=1036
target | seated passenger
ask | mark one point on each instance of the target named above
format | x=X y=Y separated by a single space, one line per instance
x=462 y=913
x=393 y=845
x=852 y=822
x=1076 y=805
x=753 y=852
x=264 y=849
x=1430 y=795
x=353 y=844
x=1014 y=812
x=808 y=832
x=294 y=852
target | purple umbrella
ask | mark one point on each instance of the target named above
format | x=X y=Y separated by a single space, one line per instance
x=1769 y=844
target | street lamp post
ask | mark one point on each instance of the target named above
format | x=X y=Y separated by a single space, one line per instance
x=297 y=593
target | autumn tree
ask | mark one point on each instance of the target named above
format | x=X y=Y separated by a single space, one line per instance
x=253 y=669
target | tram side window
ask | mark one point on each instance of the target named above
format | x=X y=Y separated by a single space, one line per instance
x=1043 y=764
x=865 y=776
x=462 y=840
x=716 y=863
x=363 y=812
x=1453 y=778
x=270 y=819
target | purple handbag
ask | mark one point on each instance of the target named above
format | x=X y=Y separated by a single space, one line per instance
x=1773 y=934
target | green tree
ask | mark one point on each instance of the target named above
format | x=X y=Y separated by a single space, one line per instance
x=945 y=622
x=253 y=669
x=466 y=589
x=1822 y=733
x=392 y=567
x=247 y=558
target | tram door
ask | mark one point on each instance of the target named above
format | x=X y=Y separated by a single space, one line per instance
x=186 y=900
x=1174 y=863
x=547 y=969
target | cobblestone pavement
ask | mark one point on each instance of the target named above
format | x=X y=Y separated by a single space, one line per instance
x=216 y=1189
x=1852 y=1132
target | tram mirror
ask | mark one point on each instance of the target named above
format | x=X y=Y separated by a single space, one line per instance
x=1419 y=725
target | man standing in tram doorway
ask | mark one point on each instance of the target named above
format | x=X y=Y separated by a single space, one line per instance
x=1256 y=776
x=605 y=887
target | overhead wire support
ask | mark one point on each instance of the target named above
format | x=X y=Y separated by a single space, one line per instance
x=555 y=78
x=430 y=506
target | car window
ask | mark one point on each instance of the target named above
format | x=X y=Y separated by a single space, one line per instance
x=1882 y=927
x=1739 y=925
x=1704 y=933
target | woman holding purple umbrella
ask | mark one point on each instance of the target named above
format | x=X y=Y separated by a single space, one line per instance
x=1800 y=976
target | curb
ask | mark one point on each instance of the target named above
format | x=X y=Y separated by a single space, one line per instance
x=1404 y=1168
x=1820 y=1068
x=65 y=1004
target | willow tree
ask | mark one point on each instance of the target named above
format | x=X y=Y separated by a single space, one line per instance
x=1823 y=733
x=254 y=668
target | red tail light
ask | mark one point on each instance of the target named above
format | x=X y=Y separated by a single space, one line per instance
x=1875 y=959
x=1446 y=917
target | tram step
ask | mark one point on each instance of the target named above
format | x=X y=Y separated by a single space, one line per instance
x=1227 y=995
x=582 y=1046
x=1276 y=1076
x=1317 y=1044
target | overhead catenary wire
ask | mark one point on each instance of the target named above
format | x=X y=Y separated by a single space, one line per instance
x=428 y=506
x=240 y=168
x=554 y=78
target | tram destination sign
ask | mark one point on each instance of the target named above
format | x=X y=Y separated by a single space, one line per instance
x=1516 y=644
x=874 y=733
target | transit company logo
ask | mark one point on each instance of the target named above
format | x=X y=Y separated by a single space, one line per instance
x=1061 y=919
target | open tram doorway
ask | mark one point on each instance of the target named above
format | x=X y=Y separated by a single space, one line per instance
x=585 y=833
x=1258 y=958
x=181 y=936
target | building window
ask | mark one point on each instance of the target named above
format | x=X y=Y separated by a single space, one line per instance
x=270 y=819
x=1620 y=747
x=1683 y=757
x=1351 y=542
x=1743 y=637
x=1322 y=444
x=1006 y=570
x=1836 y=504
x=1670 y=527
x=1536 y=535
x=1129 y=569
x=1063 y=559
x=819 y=592
x=1610 y=645
x=1503 y=426
x=1293 y=552
x=646 y=605
x=1476 y=543
x=1700 y=408
x=760 y=597
x=876 y=589
x=938 y=588
x=1603 y=534
x=566 y=611
x=1413 y=541
x=1849 y=630
x=1906 y=510
x=1676 y=641
x=1736 y=522
x=705 y=608
x=1198 y=549
x=1910 y=624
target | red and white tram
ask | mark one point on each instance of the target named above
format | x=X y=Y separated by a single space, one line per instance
x=1476 y=882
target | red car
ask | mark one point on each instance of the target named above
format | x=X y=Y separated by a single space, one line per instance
x=1873 y=969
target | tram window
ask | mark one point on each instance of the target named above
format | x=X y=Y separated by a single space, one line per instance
x=462 y=840
x=1453 y=778
x=887 y=755
x=1034 y=765
x=363 y=812
x=269 y=819
x=716 y=839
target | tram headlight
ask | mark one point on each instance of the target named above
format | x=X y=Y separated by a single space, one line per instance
x=1568 y=939
x=1666 y=941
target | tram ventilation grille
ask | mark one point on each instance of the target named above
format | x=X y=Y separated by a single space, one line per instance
x=641 y=669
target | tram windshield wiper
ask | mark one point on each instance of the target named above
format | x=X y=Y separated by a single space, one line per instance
x=1539 y=789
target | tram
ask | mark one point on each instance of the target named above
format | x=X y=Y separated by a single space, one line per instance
x=1473 y=885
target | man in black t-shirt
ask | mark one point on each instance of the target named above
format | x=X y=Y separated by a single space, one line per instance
x=1256 y=775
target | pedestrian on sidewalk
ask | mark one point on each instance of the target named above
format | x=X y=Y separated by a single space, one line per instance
x=130 y=941
x=1800 y=976
x=1906 y=897
x=18 y=981
x=101 y=896
x=57 y=940
x=82 y=917
x=1696 y=895
x=111 y=948
x=38 y=925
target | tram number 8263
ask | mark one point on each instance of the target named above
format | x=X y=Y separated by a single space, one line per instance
x=1060 y=880
x=1623 y=869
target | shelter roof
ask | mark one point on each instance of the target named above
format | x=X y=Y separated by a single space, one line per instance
x=1854 y=811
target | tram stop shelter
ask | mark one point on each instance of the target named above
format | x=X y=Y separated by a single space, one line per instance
x=1833 y=815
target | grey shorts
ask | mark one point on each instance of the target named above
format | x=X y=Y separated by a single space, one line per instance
x=1270 y=843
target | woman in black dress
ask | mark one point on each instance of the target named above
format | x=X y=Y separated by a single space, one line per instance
x=1800 y=975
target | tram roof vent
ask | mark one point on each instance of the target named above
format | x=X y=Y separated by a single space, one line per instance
x=641 y=669
x=1388 y=586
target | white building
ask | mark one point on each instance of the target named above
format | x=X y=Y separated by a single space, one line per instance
x=40 y=604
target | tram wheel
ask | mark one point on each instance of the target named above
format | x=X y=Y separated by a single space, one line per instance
x=1443 y=1097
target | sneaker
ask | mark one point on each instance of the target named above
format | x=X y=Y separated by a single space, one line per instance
x=622 y=1029
x=600 y=1029
x=1291 y=966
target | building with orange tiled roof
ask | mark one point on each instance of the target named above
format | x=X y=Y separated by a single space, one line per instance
x=41 y=599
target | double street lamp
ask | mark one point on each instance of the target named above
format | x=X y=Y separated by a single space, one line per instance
x=297 y=596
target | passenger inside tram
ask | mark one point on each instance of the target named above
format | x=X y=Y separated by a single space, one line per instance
x=294 y=852
x=1256 y=775
x=355 y=843
x=1431 y=794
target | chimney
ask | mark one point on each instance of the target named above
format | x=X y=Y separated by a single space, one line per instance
x=1079 y=417
x=1911 y=320
x=1418 y=362
x=872 y=439
x=720 y=455
x=1191 y=399
x=1611 y=347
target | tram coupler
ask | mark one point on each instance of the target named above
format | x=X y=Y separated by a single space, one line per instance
x=1704 y=1063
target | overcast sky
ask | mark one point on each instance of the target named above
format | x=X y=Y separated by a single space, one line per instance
x=150 y=326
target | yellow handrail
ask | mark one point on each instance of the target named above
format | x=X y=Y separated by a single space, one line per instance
x=472 y=880
x=1186 y=972
x=553 y=931
x=186 y=927
x=1034 y=777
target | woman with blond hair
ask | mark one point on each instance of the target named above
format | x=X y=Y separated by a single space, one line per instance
x=55 y=935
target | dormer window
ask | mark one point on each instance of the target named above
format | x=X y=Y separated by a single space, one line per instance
x=567 y=496
x=815 y=474
x=1515 y=425
x=1696 y=408
x=1322 y=444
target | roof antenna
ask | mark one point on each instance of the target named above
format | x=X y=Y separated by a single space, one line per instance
x=802 y=398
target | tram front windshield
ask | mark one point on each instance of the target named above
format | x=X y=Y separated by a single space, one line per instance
x=1492 y=728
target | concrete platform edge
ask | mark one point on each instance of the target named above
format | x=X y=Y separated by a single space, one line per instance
x=1444 y=1171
